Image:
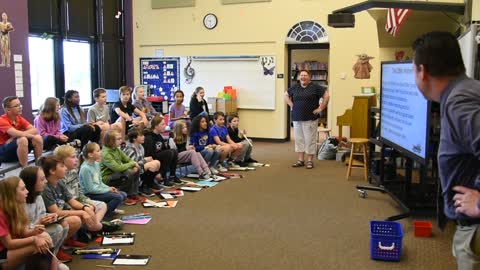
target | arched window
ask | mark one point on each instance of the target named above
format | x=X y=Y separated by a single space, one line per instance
x=307 y=32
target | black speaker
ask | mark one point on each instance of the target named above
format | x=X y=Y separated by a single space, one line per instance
x=341 y=20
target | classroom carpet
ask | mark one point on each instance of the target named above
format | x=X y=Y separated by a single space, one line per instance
x=277 y=217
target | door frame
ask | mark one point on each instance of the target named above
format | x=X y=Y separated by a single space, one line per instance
x=290 y=48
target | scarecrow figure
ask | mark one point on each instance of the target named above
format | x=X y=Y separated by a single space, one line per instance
x=362 y=68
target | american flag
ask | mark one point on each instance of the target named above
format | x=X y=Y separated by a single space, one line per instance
x=395 y=18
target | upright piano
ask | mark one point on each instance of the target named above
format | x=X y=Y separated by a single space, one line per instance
x=357 y=118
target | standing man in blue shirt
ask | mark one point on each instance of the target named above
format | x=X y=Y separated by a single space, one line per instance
x=440 y=76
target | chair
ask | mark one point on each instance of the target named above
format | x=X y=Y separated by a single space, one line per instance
x=361 y=144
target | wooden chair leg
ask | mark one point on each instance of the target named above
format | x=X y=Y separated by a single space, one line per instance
x=365 y=161
x=350 y=160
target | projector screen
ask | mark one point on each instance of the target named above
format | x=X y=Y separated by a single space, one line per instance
x=404 y=111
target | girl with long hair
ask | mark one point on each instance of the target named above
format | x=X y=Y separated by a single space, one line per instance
x=17 y=242
x=157 y=146
x=91 y=180
x=199 y=138
x=35 y=181
x=74 y=124
x=187 y=153
x=198 y=105
x=177 y=110
x=47 y=122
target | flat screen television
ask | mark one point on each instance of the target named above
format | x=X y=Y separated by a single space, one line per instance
x=404 y=112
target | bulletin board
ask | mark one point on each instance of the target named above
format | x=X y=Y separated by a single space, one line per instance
x=161 y=75
x=252 y=76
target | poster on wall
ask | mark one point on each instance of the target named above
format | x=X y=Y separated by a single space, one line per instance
x=5 y=28
x=161 y=76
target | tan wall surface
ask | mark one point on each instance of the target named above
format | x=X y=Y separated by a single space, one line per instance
x=260 y=29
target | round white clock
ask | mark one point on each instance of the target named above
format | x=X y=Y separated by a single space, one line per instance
x=210 y=21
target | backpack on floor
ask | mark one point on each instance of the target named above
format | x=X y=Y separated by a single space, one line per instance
x=328 y=149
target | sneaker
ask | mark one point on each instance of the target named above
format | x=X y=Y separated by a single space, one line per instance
x=63 y=257
x=232 y=164
x=75 y=144
x=74 y=243
x=213 y=170
x=146 y=191
x=119 y=212
x=156 y=188
x=204 y=176
x=138 y=198
x=62 y=266
x=251 y=160
x=220 y=168
x=110 y=226
x=242 y=163
x=168 y=183
x=130 y=201
x=175 y=179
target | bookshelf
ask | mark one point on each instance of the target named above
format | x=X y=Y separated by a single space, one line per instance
x=318 y=70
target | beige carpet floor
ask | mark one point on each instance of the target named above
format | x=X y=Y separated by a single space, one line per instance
x=277 y=217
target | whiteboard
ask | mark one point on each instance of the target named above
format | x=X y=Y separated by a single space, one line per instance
x=252 y=76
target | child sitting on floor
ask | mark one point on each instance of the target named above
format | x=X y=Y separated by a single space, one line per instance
x=118 y=169
x=99 y=113
x=91 y=180
x=16 y=245
x=238 y=137
x=59 y=200
x=211 y=153
x=141 y=103
x=149 y=168
x=34 y=180
x=123 y=112
x=157 y=146
x=218 y=134
x=177 y=110
x=68 y=155
x=187 y=153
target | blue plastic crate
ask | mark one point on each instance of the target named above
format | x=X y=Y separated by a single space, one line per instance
x=385 y=240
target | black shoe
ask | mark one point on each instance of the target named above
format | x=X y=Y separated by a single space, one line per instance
x=243 y=163
x=156 y=188
x=251 y=160
x=146 y=191
x=168 y=183
x=108 y=226
x=175 y=179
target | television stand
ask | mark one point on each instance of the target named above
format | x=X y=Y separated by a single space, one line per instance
x=382 y=189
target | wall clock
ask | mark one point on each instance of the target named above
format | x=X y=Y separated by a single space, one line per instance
x=210 y=21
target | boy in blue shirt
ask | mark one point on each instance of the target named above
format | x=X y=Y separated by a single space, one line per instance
x=219 y=135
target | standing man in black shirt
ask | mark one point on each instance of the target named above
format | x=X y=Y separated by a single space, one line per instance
x=440 y=76
x=304 y=100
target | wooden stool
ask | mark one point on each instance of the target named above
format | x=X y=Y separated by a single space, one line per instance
x=326 y=132
x=362 y=144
